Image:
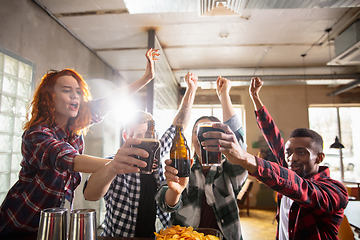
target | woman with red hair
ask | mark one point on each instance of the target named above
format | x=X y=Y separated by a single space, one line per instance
x=53 y=145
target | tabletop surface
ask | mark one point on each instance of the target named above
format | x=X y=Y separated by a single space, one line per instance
x=123 y=238
x=352 y=212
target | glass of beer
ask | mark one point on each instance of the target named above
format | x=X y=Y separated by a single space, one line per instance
x=150 y=143
x=208 y=158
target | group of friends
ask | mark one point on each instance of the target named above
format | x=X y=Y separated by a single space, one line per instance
x=310 y=203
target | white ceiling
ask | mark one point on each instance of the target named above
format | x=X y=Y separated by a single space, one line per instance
x=261 y=40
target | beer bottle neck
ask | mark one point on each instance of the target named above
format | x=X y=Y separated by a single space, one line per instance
x=179 y=134
x=151 y=125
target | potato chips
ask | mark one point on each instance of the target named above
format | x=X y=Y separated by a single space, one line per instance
x=182 y=233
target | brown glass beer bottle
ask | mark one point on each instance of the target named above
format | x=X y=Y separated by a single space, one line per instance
x=150 y=129
x=180 y=153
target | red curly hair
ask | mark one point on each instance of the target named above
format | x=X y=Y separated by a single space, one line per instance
x=43 y=108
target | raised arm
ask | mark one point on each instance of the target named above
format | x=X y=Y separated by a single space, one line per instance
x=183 y=114
x=120 y=94
x=223 y=87
x=266 y=124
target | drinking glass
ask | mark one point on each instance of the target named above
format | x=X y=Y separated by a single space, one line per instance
x=83 y=224
x=208 y=158
x=53 y=223
x=150 y=143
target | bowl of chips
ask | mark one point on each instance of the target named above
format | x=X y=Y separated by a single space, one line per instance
x=188 y=233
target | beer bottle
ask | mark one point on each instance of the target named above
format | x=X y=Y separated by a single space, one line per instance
x=150 y=129
x=180 y=153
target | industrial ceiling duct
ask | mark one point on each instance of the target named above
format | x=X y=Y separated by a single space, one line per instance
x=347 y=46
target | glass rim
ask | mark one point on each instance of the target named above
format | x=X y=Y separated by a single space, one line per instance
x=206 y=124
x=144 y=136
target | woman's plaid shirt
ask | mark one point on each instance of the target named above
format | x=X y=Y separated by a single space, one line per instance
x=46 y=177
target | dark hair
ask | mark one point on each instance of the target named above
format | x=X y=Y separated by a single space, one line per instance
x=315 y=137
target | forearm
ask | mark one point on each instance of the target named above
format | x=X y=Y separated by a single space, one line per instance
x=243 y=159
x=256 y=101
x=99 y=183
x=172 y=198
x=227 y=107
x=88 y=164
x=183 y=115
x=135 y=86
x=119 y=95
x=271 y=134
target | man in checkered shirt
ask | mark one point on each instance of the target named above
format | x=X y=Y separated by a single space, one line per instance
x=131 y=209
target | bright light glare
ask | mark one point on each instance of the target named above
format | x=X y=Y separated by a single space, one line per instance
x=126 y=112
x=123 y=108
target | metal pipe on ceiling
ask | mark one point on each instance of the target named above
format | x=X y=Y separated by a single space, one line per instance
x=299 y=77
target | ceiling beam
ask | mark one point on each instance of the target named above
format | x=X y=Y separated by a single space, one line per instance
x=345 y=88
x=90 y=13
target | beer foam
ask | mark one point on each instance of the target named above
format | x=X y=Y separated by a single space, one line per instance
x=206 y=125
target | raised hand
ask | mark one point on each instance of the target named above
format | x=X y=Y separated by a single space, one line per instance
x=255 y=86
x=151 y=56
x=223 y=86
x=191 y=80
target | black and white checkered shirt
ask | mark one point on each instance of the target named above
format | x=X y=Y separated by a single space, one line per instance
x=122 y=198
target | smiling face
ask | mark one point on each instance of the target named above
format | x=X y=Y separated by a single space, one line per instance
x=67 y=99
x=302 y=156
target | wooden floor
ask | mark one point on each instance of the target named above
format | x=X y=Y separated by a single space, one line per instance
x=259 y=225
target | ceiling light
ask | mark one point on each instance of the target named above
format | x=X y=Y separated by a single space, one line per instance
x=221 y=7
x=161 y=6
x=336 y=144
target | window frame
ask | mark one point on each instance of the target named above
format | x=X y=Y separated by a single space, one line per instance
x=16 y=131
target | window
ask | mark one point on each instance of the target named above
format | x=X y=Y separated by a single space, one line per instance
x=324 y=121
x=16 y=76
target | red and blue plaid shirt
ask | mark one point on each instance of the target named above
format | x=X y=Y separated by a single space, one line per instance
x=319 y=201
x=46 y=177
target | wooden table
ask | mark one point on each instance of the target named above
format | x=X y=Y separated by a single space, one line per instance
x=352 y=212
x=123 y=238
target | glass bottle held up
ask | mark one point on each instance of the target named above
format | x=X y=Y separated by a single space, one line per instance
x=180 y=153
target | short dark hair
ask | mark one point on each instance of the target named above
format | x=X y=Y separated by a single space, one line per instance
x=315 y=137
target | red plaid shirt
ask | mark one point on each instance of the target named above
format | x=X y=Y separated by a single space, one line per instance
x=46 y=177
x=319 y=201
